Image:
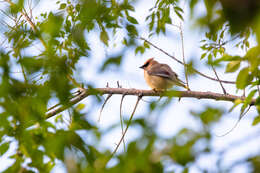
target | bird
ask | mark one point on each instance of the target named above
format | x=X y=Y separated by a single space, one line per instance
x=160 y=76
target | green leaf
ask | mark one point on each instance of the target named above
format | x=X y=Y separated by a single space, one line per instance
x=131 y=30
x=4 y=147
x=236 y=103
x=112 y=60
x=80 y=106
x=243 y=78
x=257 y=102
x=62 y=6
x=203 y=55
x=256 y=120
x=178 y=9
x=104 y=37
x=253 y=56
x=139 y=49
x=146 y=45
x=132 y=19
x=232 y=66
x=52 y=25
x=179 y=15
x=209 y=116
x=250 y=96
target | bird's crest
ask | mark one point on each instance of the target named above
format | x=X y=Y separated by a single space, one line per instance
x=148 y=62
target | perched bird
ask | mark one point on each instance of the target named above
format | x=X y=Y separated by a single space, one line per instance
x=160 y=76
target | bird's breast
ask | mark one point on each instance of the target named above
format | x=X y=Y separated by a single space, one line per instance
x=157 y=82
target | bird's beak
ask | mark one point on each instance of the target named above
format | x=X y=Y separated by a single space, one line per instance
x=142 y=67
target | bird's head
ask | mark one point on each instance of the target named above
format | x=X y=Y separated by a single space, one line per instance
x=148 y=63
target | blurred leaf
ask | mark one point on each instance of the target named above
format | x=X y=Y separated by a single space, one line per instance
x=190 y=67
x=80 y=106
x=52 y=25
x=236 y=103
x=209 y=115
x=17 y=7
x=62 y=6
x=104 y=37
x=256 y=120
x=232 y=66
x=178 y=12
x=243 y=78
x=79 y=38
x=203 y=55
x=4 y=147
x=32 y=64
x=116 y=60
x=139 y=49
x=132 y=20
x=131 y=30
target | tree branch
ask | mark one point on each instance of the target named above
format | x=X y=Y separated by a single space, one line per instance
x=137 y=92
x=224 y=91
x=196 y=71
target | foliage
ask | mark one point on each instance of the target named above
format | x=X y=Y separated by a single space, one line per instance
x=62 y=38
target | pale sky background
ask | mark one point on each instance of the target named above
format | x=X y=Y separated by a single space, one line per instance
x=176 y=115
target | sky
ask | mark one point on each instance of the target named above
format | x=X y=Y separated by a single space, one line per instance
x=176 y=115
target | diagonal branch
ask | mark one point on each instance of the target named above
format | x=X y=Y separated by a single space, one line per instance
x=180 y=62
x=224 y=91
x=108 y=97
x=137 y=92
x=121 y=119
x=183 y=55
x=127 y=126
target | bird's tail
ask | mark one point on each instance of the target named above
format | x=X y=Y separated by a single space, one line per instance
x=183 y=84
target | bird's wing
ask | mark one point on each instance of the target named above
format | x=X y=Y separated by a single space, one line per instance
x=162 y=70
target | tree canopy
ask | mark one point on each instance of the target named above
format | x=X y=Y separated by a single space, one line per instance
x=42 y=123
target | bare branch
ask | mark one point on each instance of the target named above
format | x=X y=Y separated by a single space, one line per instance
x=239 y=119
x=76 y=99
x=127 y=126
x=208 y=77
x=121 y=119
x=136 y=92
x=183 y=56
x=108 y=97
x=224 y=91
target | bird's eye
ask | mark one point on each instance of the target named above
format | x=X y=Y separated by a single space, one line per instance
x=146 y=64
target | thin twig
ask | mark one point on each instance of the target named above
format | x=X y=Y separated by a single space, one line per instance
x=54 y=106
x=239 y=142
x=127 y=126
x=224 y=91
x=239 y=119
x=24 y=75
x=180 y=62
x=108 y=97
x=121 y=119
x=183 y=57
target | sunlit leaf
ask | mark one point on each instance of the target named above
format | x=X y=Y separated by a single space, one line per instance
x=256 y=120
x=243 y=78
x=232 y=66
